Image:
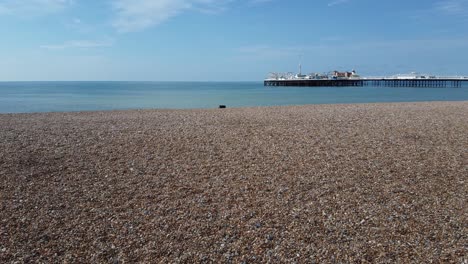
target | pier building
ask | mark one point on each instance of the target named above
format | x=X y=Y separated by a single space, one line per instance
x=343 y=79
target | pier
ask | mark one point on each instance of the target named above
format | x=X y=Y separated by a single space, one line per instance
x=377 y=82
x=347 y=79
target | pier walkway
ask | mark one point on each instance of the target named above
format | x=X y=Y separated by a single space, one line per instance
x=379 y=82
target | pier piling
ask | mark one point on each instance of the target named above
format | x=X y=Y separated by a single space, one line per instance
x=386 y=82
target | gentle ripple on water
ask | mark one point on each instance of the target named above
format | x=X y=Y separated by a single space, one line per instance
x=24 y=97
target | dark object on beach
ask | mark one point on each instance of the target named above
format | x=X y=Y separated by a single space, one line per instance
x=222 y=106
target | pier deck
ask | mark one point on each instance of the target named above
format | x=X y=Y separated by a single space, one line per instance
x=379 y=82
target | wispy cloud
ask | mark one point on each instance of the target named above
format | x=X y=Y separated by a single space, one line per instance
x=344 y=55
x=337 y=2
x=259 y=1
x=452 y=7
x=136 y=15
x=3 y=9
x=269 y=51
x=80 y=44
x=439 y=11
x=129 y=15
x=32 y=7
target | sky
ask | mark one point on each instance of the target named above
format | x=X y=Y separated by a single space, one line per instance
x=228 y=40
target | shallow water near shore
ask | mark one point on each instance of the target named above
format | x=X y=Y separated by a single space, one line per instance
x=27 y=97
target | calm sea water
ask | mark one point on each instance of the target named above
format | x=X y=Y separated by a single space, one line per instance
x=26 y=97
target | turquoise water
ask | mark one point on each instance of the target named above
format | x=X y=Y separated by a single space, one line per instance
x=26 y=97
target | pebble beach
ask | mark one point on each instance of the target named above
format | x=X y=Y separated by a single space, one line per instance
x=351 y=183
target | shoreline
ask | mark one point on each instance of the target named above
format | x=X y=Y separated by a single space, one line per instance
x=216 y=108
x=372 y=182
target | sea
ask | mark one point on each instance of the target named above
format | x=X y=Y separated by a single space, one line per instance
x=29 y=97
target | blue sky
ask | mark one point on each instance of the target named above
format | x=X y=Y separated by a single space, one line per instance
x=228 y=40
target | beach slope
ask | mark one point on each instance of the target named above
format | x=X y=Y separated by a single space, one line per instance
x=325 y=183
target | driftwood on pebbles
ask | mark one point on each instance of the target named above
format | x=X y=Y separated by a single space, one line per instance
x=327 y=183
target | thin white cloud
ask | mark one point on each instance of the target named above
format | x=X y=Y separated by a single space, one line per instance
x=137 y=15
x=267 y=52
x=424 y=45
x=80 y=44
x=3 y=10
x=32 y=7
x=457 y=10
x=379 y=57
x=260 y=1
x=129 y=15
x=452 y=7
x=337 y=2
